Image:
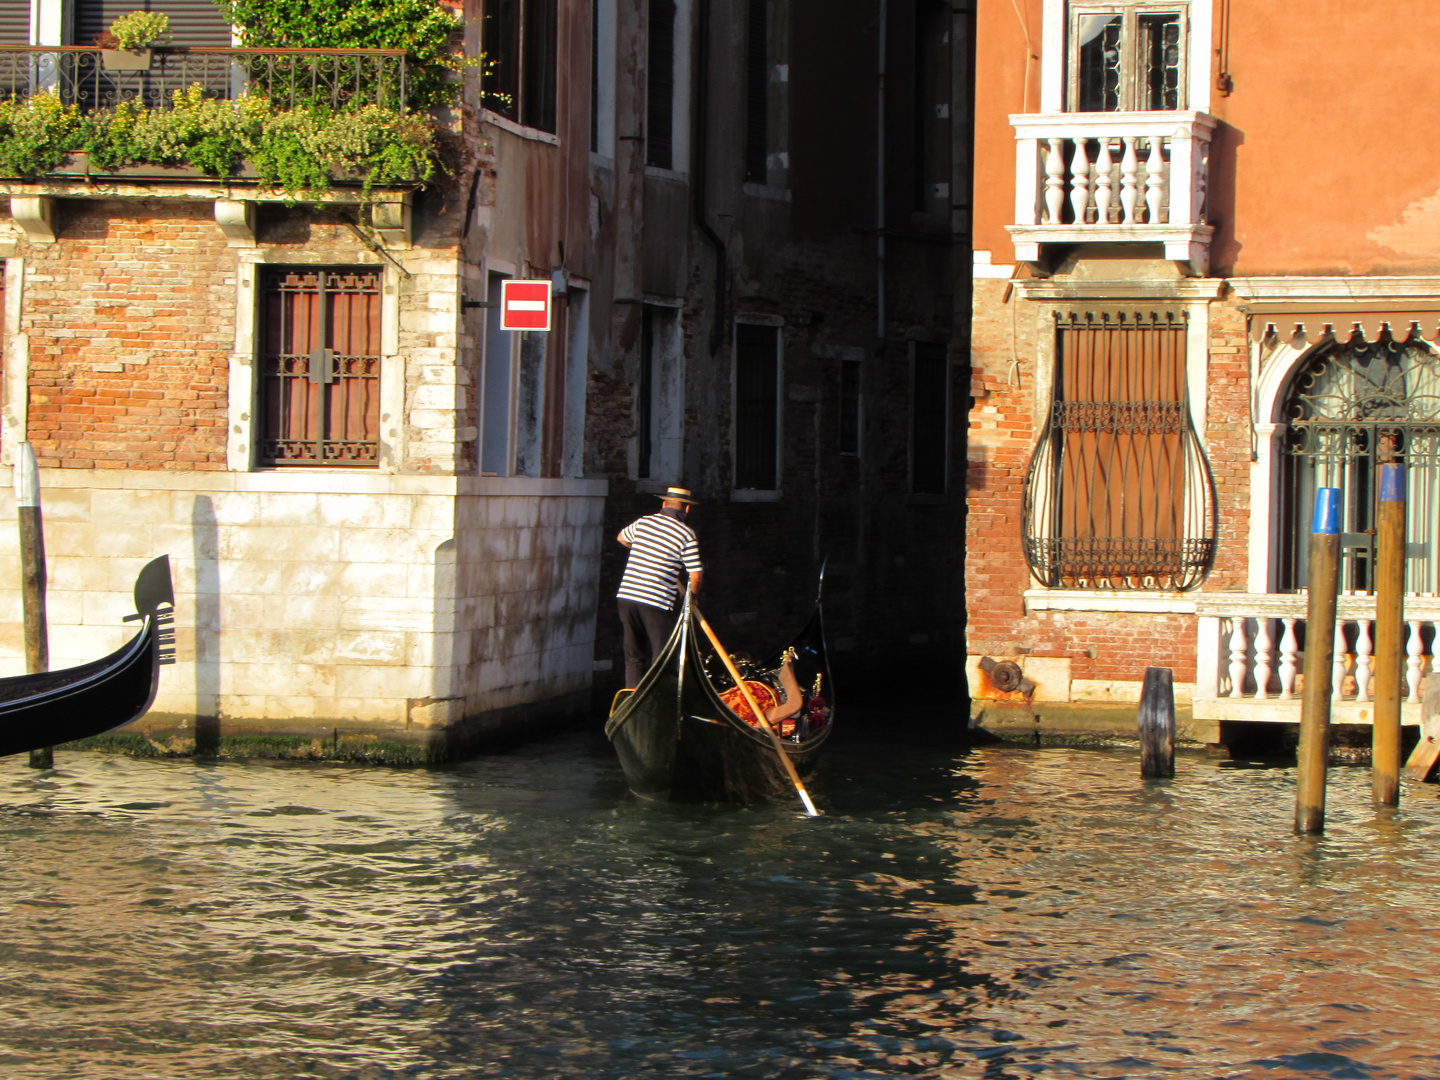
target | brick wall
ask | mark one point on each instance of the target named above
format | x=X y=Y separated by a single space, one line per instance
x=130 y=324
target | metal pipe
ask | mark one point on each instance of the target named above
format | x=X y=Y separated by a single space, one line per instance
x=1319 y=655
x=880 y=180
x=1389 y=635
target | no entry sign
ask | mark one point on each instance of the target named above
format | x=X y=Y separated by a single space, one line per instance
x=525 y=305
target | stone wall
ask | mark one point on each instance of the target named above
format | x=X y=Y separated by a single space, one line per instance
x=395 y=606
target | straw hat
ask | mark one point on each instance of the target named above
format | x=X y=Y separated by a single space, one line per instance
x=679 y=494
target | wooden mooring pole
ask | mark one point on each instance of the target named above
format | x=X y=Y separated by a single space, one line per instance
x=32 y=575
x=1389 y=635
x=1319 y=655
x=1157 y=723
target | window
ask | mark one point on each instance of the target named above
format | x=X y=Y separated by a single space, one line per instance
x=14 y=24
x=757 y=93
x=496 y=389
x=192 y=22
x=520 y=54
x=932 y=107
x=660 y=396
x=1127 y=57
x=320 y=367
x=929 y=415
x=660 y=86
x=602 y=78
x=1347 y=405
x=1119 y=494
x=757 y=407
x=850 y=406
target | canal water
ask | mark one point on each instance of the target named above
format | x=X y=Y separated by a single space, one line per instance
x=998 y=912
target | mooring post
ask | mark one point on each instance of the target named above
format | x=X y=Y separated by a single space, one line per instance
x=1319 y=655
x=1157 y=723
x=1389 y=635
x=32 y=575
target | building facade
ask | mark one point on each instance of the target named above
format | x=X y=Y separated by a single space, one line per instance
x=1183 y=323
x=389 y=518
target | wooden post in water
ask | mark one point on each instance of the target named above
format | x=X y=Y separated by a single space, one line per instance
x=1319 y=655
x=32 y=575
x=1157 y=723
x=1389 y=636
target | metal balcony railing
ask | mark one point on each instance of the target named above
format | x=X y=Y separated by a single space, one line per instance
x=93 y=78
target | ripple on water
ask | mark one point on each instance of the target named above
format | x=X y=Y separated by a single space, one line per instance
x=999 y=913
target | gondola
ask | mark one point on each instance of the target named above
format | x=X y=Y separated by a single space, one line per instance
x=678 y=740
x=52 y=707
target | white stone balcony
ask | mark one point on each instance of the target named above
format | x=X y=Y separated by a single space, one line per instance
x=1249 y=664
x=1088 y=178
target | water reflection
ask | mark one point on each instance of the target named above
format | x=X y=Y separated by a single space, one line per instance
x=1003 y=913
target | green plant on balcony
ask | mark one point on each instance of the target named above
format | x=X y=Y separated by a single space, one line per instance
x=302 y=149
x=137 y=30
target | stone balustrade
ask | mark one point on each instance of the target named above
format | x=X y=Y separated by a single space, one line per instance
x=1250 y=657
x=1113 y=177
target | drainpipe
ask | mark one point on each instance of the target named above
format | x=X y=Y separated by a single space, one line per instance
x=880 y=183
x=697 y=179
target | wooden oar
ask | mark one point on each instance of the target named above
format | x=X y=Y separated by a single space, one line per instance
x=759 y=714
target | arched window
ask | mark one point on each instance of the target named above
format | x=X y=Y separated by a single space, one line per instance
x=1349 y=404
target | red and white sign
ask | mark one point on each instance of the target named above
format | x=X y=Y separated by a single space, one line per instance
x=525 y=305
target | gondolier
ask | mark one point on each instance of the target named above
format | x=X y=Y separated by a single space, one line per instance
x=662 y=549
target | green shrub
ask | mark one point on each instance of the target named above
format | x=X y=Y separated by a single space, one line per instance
x=423 y=28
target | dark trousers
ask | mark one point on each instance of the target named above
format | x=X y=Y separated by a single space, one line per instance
x=647 y=629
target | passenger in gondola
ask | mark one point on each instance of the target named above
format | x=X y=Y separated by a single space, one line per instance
x=664 y=560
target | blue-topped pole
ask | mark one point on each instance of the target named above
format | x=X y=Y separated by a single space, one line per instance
x=1389 y=635
x=1324 y=587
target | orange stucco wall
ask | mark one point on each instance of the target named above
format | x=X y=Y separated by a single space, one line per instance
x=1324 y=162
x=1002 y=60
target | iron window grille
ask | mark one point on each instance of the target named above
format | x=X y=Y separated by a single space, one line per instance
x=1119 y=493
x=1350 y=404
x=320 y=383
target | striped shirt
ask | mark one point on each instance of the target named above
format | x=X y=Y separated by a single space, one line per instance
x=659 y=547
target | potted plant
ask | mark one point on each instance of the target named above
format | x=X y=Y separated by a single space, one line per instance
x=126 y=45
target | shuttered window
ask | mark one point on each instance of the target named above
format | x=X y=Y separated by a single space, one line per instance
x=321 y=367
x=14 y=22
x=757 y=407
x=192 y=22
x=1119 y=494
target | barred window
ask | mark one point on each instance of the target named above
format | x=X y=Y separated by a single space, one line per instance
x=320 y=391
x=1119 y=493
